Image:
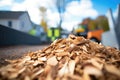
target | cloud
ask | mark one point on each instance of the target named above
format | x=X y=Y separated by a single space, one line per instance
x=32 y=6
x=53 y=18
x=5 y=2
x=69 y=25
x=83 y=9
x=77 y=11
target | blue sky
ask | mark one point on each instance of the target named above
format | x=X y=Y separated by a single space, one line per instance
x=102 y=5
x=76 y=10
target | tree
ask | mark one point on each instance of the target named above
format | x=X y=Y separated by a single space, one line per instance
x=92 y=25
x=102 y=22
x=89 y=23
x=44 y=25
x=43 y=22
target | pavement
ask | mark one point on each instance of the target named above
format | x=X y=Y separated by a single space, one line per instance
x=15 y=52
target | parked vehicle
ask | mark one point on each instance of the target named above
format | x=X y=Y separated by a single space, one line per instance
x=94 y=35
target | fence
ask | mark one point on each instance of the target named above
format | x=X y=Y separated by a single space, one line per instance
x=10 y=36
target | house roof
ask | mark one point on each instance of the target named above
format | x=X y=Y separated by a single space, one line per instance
x=11 y=14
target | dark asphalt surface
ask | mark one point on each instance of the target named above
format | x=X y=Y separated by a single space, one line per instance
x=15 y=52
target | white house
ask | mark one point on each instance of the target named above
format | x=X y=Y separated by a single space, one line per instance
x=18 y=20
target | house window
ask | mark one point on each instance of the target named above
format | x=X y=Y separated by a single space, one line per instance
x=22 y=24
x=10 y=23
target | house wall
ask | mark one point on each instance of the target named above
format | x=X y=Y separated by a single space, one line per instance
x=15 y=23
x=25 y=23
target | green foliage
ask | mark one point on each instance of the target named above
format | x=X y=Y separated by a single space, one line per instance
x=32 y=32
x=92 y=25
x=102 y=23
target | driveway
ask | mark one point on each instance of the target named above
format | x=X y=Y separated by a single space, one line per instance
x=14 y=52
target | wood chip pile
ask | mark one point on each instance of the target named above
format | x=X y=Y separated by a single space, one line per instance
x=72 y=58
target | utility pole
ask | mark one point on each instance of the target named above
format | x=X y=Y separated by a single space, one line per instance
x=61 y=8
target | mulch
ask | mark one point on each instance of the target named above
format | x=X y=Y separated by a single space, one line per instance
x=72 y=58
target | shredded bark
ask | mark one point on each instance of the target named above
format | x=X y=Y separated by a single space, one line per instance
x=72 y=58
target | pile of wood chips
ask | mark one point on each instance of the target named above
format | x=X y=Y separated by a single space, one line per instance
x=72 y=58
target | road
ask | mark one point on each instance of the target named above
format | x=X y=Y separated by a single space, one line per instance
x=14 y=52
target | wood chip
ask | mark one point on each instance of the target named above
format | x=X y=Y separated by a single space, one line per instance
x=71 y=66
x=52 y=61
x=112 y=69
x=72 y=58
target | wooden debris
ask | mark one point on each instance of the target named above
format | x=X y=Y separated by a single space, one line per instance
x=72 y=58
x=52 y=61
x=113 y=70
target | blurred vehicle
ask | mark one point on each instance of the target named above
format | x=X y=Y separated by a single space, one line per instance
x=53 y=33
x=94 y=35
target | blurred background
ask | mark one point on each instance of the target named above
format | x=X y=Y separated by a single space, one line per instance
x=35 y=22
